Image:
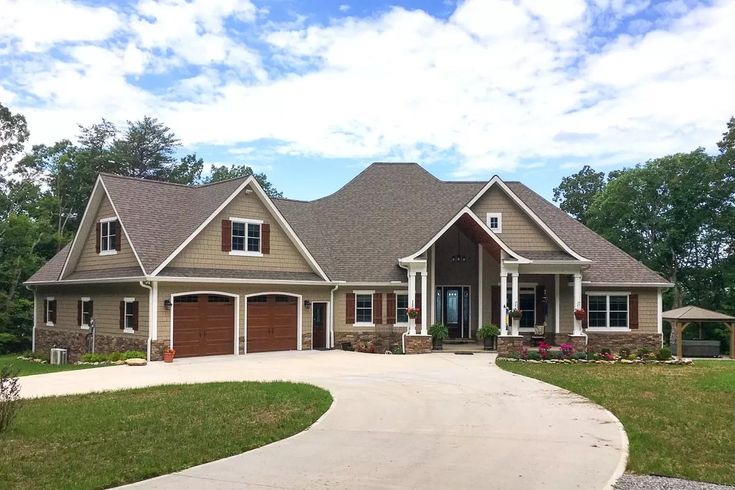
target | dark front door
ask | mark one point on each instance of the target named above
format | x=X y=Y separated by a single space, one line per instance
x=319 y=322
x=453 y=311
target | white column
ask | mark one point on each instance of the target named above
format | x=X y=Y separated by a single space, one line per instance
x=502 y=302
x=411 y=299
x=577 y=302
x=556 y=303
x=424 y=302
x=479 y=286
x=514 y=295
x=432 y=285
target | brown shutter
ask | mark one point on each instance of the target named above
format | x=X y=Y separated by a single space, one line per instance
x=540 y=313
x=378 y=308
x=135 y=315
x=46 y=319
x=98 y=229
x=418 y=305
x=122 y=315
x=53 y=312
x=91 y=309
x=495 y=304
x=118 y=234
x=79 y=312
x=390 y=313
x=265 y=244
x=586 y=306
x=633 y=311
x=226 y=235
x=350 y=308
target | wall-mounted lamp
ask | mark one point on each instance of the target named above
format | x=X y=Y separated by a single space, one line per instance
x=307 y=304
x=167 y=304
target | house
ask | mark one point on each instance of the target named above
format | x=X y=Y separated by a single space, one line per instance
x=223 y=269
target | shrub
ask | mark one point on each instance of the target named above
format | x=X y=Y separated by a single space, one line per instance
x=632 y=357
x=9 y=343
x=488 y=330
x=94 y=357
x=663 y=354
x=533 y=356
x=624 y=353
x=557 y=355
x=567 y=350
x=580 y=356
x=39 y=355
x=439 y=331
x=139 y=354
x=9 y=396
x=605 y=351
x=643 y=352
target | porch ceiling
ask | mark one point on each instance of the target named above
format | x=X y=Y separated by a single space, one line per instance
x=478 y=235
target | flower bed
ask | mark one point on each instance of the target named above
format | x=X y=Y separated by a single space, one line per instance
x=683 y=362
x=566 y=355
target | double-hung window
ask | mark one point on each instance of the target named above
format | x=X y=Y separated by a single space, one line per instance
x=49 y=315
x=129 y=320
x=401 y=307
x=607 y=310
x=108 y=236
x=364 y=308
x=85 y=312
x=494 y=221
x=246 y=237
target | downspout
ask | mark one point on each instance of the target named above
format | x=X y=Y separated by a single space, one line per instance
x=331 y=316
x=35 y=318
x=150 y=305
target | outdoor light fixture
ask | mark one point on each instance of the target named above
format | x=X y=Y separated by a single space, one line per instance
x=167 y=304
x=307 y=304
x=459 y=258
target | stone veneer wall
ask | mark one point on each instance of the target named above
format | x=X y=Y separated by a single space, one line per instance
x=76 y=342
x=383 y=341
x=619 y=340
x=508 y=344
x=418 y=344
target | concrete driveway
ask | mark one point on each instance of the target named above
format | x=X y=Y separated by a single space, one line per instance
x=427 y=421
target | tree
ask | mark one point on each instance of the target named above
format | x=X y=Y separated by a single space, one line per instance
x=577 y=192
x=13 y=135
x=225 y=172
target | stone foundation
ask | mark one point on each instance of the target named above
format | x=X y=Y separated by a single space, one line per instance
x=76 y=342
x=508 y=344
x=157 y=348
x=418 y=344
x=306 y=341
x=578 y=341
x=620 y=340
x=383 y=341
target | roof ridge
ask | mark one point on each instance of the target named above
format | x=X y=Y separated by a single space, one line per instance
x=164 y=182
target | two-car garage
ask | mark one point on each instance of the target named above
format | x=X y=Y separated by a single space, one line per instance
x=205 y=323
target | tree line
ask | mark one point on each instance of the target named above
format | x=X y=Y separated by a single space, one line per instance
x=44 y=192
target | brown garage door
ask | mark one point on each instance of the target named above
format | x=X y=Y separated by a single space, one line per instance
x=204 y=325
x=272 y=323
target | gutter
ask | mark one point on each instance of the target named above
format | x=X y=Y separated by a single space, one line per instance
x=331 y=314
x=151 y=304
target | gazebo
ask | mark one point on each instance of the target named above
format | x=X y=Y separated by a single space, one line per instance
x=681 y=318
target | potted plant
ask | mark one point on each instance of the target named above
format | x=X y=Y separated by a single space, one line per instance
x=439 y=332
x=516 y=313
x=489 y=336
x=168 y=354
x=579 y=313
x=412 y=312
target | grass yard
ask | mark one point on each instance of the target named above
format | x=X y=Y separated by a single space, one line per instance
x=679 y=419
x=107 y=439
x=28 y=368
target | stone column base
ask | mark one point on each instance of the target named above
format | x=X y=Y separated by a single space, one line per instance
x=579 y=342
x=508 y=344
x=418 y=344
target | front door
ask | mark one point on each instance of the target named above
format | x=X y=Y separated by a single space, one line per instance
x=319 y=323
x=453 y=311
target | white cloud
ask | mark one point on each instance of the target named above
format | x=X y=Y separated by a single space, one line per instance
x=344 y=7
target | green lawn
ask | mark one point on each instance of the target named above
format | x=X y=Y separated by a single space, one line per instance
x=679 y=419
x=29 y=367
x=107 y=439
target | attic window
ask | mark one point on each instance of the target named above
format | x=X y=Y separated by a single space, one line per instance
x=108 y=236
x=246 y=237
x=495 y=222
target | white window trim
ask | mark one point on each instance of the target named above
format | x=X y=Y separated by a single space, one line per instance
x=526 y=286
x=608 y=328
x=45 y=313
x=397 y=293
x=113 y=251
x=372 y=303
x=128 y=329
x=245 y=253
x=499 y=216
x=84 y=299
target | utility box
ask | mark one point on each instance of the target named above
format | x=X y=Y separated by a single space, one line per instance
x=58 y=356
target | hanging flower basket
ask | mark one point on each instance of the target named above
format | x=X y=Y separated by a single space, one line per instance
x=516 y=313
x=168 y=355
x=412 y=312
x=579 y=313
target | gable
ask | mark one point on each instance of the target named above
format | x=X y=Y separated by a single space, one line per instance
x=205 y=250
x=519 y=230
x=89 y=259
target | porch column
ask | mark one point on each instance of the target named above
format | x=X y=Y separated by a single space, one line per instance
x=577 y=302
x=479 y=286
x=502 y=300
x=411 y=299
x=514 y=295
x=424 y=302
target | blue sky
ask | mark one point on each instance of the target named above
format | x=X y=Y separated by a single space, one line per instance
x=312 y=92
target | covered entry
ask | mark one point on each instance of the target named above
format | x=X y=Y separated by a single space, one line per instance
x=272 y=322
x=203 y=324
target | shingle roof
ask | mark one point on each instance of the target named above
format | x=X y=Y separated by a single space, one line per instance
x=239 y=274
x=695 y=314
x=51 y=269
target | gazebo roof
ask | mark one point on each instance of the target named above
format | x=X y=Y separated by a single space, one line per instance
x=695 y=314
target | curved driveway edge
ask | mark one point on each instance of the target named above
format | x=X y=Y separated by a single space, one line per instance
x=431 y=421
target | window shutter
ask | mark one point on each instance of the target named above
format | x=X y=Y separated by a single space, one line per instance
x=97 y=234
x=122 y=315
x=53 y=312
x=118 y=234
x=378 y=308
x=495 y=304
x=540 y=305
x=226 y=235
x=633 y=311
x=91 y=309
x=135 y=315
x=350 y=309
x=265 y=237
x=46 y=318
x=390 y=313
x=79 y=312
x=417 y=304
x=586 y=303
